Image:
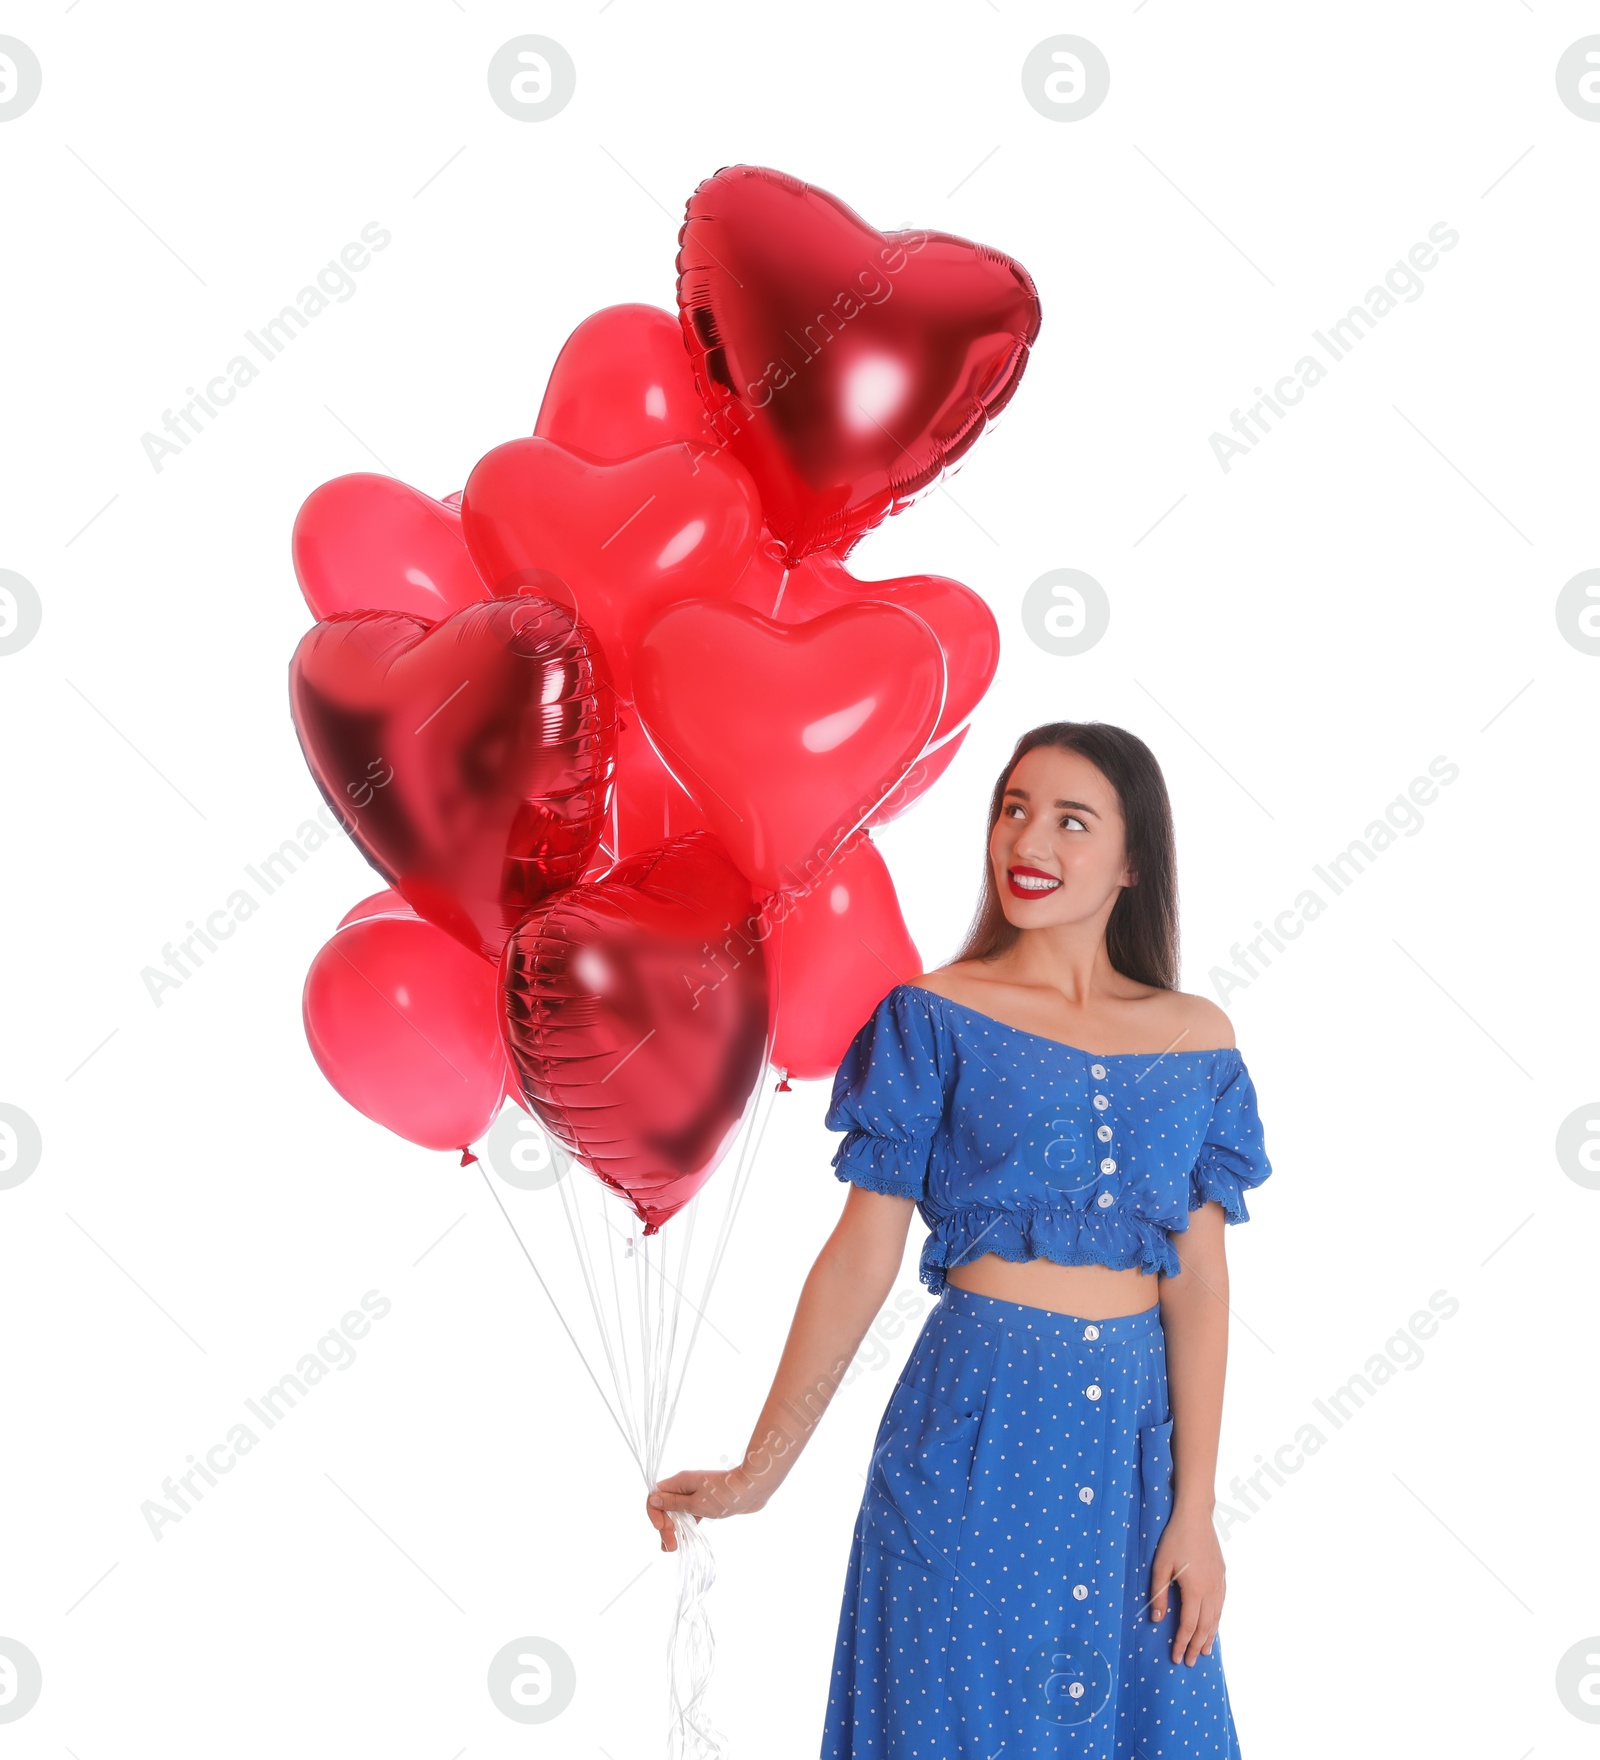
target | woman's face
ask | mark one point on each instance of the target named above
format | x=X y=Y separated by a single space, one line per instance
x=1059 y=819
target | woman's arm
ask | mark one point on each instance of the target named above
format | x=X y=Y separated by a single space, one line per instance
x=1194 y=1317
x=842 y=1293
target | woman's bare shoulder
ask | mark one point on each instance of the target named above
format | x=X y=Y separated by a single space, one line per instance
x=954 y=982
x=1202 y=1025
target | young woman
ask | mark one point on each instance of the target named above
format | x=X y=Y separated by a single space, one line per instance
x=1034 y=1570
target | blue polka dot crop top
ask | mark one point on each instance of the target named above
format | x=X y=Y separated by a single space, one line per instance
x=1020 y=1145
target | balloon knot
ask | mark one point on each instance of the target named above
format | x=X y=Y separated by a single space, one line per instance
x=467 y=1158
x=783 y=1086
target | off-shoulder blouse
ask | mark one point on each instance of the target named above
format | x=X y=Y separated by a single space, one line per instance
x=1020 y=1145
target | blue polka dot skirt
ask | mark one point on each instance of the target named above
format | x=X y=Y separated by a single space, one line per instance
x=996 y=1602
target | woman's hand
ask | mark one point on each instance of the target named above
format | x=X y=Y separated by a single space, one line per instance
x=701 y=1493
x=1190 y=1555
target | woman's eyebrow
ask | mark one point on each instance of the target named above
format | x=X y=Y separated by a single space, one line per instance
x=1078 y=806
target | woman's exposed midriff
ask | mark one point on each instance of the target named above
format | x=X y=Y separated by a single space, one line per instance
x=1091 y=1292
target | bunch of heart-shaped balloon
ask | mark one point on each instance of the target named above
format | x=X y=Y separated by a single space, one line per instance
x=615 y=721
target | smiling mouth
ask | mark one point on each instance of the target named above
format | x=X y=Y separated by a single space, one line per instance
x=1029 y=883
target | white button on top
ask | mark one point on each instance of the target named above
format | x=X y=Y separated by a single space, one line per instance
x=1075 y=1691
x=1104 y=1133
x=1093 y=1390
x=1091 y=1332
x=1086 y=1494
x=1105 y=1200
x=1108 y=1165
x=1098 y=1071
x=1101 y=1102
x=1080 y=1591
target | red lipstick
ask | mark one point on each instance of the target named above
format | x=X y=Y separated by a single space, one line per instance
x=1021 y=872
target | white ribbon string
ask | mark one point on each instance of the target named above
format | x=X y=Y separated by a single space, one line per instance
x=639 y=1351
x=691 y=1649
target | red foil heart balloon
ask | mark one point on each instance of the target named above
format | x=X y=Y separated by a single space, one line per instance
x=635 y=1040
x=788 y=735
x=628 y=538
x=647 y=805
x=846 y=368
x=470 y=760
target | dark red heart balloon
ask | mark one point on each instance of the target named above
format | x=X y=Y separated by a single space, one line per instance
x=470 y=760
x=636 y=1038
x=788 y=735
x=846 y=368
x=628 y=538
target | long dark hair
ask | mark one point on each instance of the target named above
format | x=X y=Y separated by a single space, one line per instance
x=1142 y=930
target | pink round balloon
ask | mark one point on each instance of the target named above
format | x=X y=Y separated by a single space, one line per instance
x=387 y=903
x=404 y=1022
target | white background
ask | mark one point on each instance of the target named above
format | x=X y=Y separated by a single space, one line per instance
x=1374 y=586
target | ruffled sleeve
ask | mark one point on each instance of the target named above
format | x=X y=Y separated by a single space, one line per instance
x=1233 y=1158
x=888 y=1099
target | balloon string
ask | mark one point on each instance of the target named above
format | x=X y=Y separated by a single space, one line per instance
x=648 y=1407
x=691 y=1649
x=560 y=1316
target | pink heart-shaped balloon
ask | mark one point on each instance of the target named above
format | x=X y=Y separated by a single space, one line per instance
x=369 y=543
x=838 y=948
x=635 y=1038
x=628 y=539
x=962 y=621
x=470 y=760
x=621 y=385
x=788 y=735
